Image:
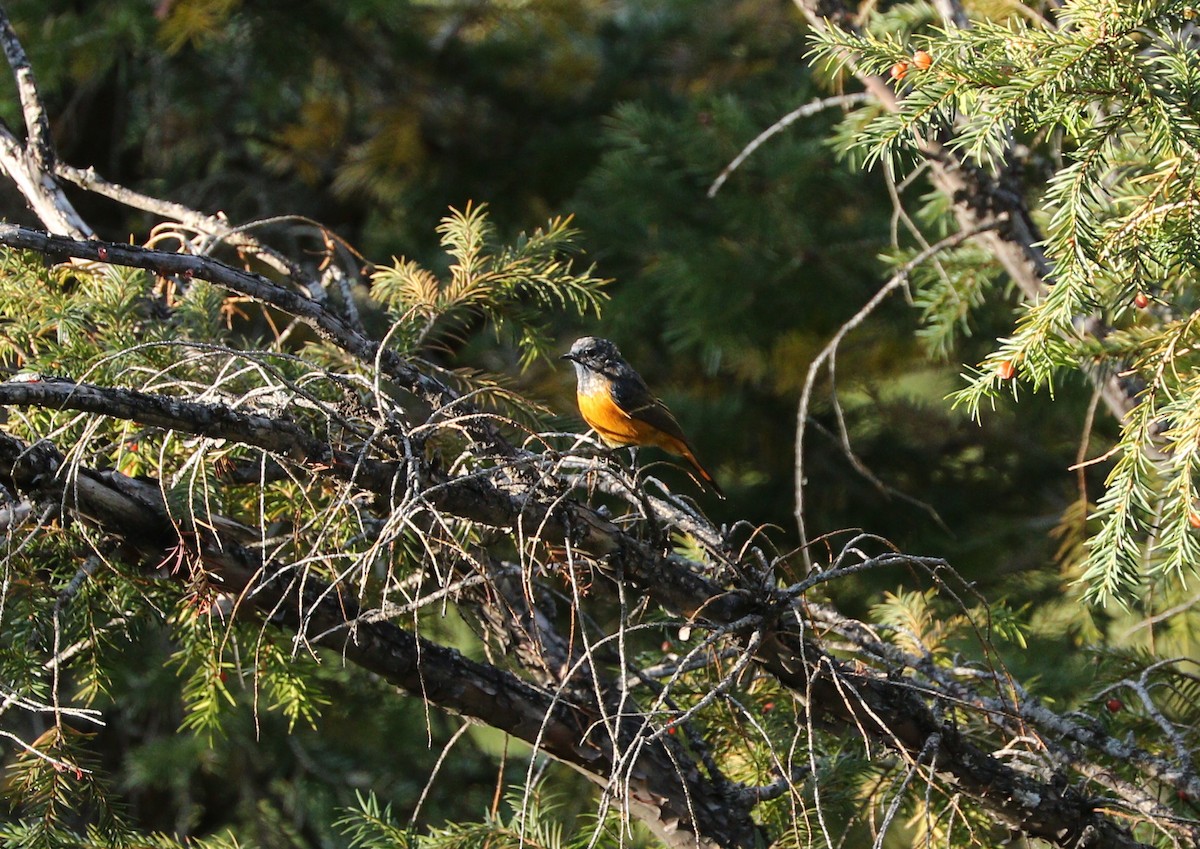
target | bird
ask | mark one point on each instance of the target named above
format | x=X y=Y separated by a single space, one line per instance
x=616 y=403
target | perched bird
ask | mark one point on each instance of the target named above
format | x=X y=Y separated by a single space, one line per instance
x=617 y=404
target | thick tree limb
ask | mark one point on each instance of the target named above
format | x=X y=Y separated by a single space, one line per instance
x=894 y=714
x=663 y=788
x=215 y=421
x=470 y=497
x=1023 y=715
x=863 y=700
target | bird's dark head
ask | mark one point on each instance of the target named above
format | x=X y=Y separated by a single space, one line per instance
x=594 y=353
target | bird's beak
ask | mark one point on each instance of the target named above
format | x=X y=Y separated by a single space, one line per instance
x=569 y=356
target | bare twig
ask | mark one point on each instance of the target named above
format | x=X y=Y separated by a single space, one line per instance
x=805 y=111
x=29 y=165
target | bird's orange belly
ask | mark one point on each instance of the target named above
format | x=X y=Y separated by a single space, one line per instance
x=616 y=427
x=613 y=425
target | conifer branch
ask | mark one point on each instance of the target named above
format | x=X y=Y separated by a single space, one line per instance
x=993 y=204
x=886 y=709
x=215 y=421
x=960 y=729
x=663 y=789
x=327 y=324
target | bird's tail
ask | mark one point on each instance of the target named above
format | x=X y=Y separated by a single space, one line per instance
x=704 y=474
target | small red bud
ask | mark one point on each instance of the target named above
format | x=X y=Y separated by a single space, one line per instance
x=1141 y=301
x=1194 y=518
x=671 y=730
x=102 y=252
x=1114 y=705
x=899 y=70
x=921 y=59
x=768 y=707
x=1006 y=370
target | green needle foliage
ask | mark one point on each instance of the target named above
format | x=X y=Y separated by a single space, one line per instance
x=518 y=286
x=174 y=666
x=535 y=818
x=1097 y=111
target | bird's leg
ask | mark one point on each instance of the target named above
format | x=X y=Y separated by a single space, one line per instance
x=634 y=469
x=613 y=457
x=652 y=529
x=607 y=456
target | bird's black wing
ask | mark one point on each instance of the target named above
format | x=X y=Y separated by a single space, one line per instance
x=635 y=399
